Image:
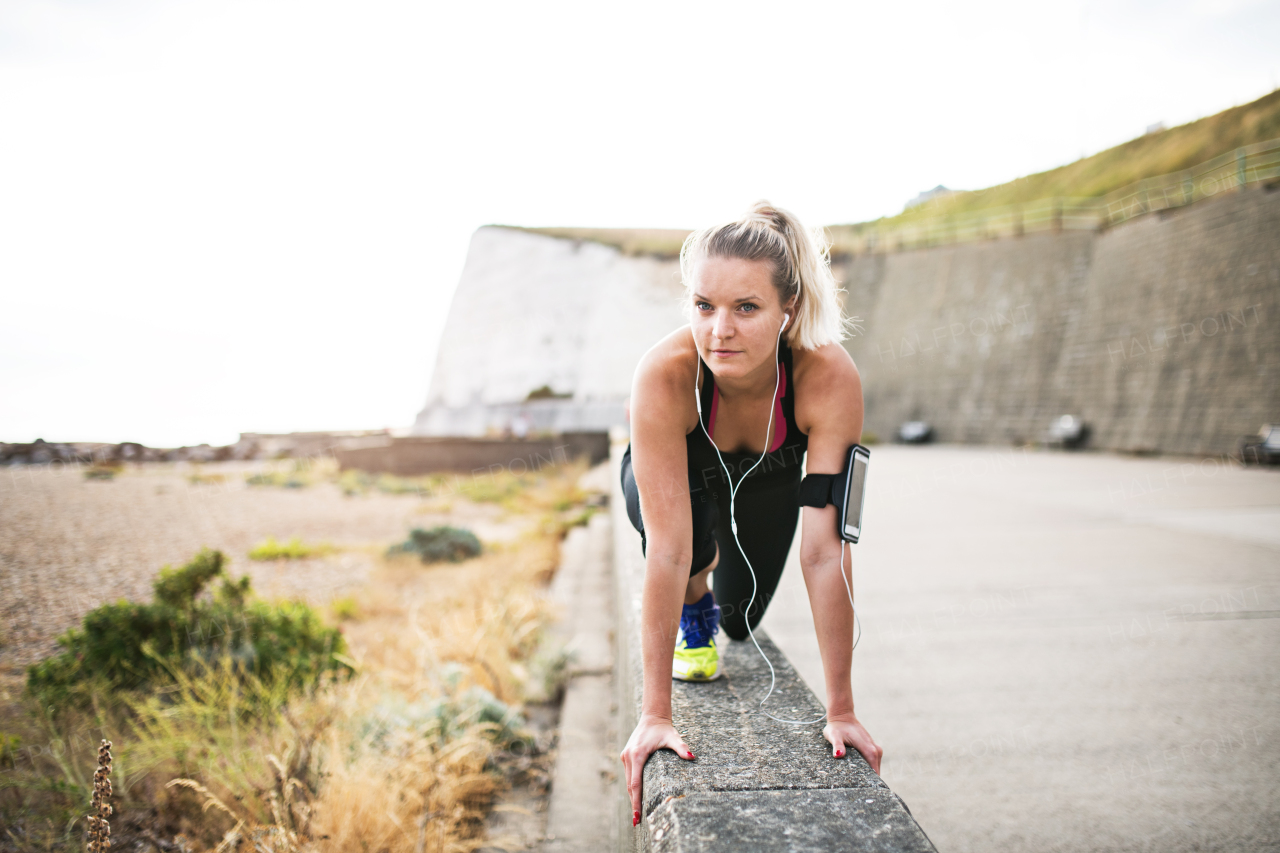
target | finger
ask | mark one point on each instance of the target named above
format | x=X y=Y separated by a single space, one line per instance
x=837 y=742
x=681 y=749
x=871 y=753
x=635 y=779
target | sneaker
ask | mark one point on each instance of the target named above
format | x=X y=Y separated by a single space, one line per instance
x=696 y=657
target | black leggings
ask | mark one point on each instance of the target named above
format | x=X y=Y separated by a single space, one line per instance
x=766 y=525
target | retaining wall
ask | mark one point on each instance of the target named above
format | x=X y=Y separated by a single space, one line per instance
x=413 y=455
x=757 y=784
x=1160 y=333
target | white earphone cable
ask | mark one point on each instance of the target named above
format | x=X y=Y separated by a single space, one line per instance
x=733 y=525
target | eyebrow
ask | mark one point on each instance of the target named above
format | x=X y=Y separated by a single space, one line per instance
x=702 y=298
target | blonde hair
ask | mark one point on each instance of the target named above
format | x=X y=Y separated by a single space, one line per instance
x=801 y=268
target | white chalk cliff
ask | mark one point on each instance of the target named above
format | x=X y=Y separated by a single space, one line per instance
x=533 y=311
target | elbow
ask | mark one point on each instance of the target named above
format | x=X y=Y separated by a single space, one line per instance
x=819 y=558
x=668 y=559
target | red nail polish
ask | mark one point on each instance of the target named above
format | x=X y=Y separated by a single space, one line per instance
x=839 y=754
x=691 y=755
x=635 y=818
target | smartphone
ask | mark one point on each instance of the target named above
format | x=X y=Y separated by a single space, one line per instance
x=854 y=492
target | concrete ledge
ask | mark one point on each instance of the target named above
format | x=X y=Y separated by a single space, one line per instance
x=738 y=748
x=579 y=813
x=757 y=784
x=803 y=821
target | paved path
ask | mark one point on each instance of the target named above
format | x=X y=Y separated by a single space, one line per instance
x=1067 y=651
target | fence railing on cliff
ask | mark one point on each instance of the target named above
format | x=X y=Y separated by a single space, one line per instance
x=1250 y=164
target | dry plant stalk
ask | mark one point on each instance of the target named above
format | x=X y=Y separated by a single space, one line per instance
x=99 y=821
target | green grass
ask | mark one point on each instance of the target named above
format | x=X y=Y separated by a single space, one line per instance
x=1147 y=156
x=294 y=549
x=636 y=242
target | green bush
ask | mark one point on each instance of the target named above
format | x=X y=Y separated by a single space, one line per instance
x=133 y=646
x=439 y=544
x=445 y=718
x=294 y=549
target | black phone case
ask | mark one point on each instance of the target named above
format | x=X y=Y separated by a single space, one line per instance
x=840 y=486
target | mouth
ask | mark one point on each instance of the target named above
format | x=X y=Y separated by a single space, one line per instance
x=725 y=353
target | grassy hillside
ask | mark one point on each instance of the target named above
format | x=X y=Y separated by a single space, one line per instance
x=1148 y=156
x=659 y=242
x=1153 y=154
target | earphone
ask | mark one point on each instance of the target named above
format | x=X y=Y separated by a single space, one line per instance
x=733 y=525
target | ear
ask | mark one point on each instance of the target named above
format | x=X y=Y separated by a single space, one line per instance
x=790 y=310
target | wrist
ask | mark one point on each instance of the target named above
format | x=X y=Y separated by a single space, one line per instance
x=654 y=719
x=841 y=714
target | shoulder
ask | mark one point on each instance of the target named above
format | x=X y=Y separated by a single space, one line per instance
x=827 y=369
x=665 y=379
x=828 y=387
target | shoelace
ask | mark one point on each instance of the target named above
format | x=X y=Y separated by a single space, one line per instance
x=699 y=627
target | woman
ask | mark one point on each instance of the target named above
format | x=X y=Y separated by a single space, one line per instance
x=759 y=366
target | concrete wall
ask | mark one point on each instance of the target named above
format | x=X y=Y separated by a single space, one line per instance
x=1161 y=333
x=414 y=455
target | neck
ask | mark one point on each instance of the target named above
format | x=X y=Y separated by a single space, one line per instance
x=760 y=382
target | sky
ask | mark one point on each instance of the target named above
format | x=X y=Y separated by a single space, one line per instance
x=250 y=215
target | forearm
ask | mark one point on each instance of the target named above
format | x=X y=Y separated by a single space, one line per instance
x=833 y=622
x=665 y=578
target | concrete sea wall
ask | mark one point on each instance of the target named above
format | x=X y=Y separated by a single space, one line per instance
x=1160 y=333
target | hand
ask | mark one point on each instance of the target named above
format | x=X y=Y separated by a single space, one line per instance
x=845 y=730
x=651 y=734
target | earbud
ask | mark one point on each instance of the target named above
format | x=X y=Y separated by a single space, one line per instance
x=786 y=318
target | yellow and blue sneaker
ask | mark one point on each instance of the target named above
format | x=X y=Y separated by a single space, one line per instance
x=696 y=657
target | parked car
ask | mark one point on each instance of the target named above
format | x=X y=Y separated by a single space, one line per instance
x=1068 y=432
x=915 y=432
x=1263 y=448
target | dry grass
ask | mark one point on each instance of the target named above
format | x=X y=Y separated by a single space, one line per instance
x=405 y=757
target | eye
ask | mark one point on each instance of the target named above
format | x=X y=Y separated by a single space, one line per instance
x=748 y=308
x=702 y=306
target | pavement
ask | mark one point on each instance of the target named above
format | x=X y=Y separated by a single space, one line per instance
x=581 y=812
x=1066 y=651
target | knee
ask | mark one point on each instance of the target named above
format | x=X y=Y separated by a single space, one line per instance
x=735 y=625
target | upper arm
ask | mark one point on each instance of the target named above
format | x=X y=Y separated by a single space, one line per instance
x=829 y=408
x=660 y=409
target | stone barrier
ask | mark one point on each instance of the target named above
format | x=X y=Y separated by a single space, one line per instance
x=413 y=455
x=756 y=784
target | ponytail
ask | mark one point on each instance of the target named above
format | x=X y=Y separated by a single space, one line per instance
x=801 y=268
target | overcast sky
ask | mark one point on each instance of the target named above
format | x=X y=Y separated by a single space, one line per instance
x=219 y=216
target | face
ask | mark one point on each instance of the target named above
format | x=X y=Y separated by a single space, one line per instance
x=736 y=315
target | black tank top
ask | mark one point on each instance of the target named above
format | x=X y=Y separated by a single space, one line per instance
x=780 y=470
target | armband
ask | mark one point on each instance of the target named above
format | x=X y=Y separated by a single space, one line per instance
x=845 y=490
x=815 y=489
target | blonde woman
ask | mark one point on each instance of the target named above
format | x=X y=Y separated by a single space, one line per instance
x=758 y=375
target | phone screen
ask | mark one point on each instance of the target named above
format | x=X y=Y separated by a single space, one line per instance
x=853 y=499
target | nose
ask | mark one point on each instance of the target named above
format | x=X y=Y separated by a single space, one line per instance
x=722 y=328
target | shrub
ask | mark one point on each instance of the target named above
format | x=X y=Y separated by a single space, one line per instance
x=294 y=549
x=345 y=608
x=445 y=719
x=131 y=646
x=439 y=544
x=285 y=480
